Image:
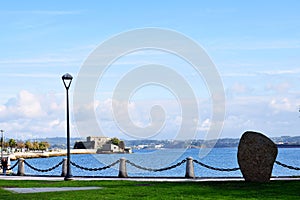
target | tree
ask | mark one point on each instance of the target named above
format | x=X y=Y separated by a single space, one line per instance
x=115 y=141
x=6 y=144
x=28 y=145
x=12 y=143
x=43 y=146
x=20 y=145
x=35 y=145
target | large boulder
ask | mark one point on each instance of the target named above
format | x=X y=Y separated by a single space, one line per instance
x=256 y=156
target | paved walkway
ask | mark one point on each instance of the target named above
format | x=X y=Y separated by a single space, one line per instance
x=150 y=179
x=49 y=189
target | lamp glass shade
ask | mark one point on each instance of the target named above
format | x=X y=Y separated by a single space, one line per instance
x=67 y=79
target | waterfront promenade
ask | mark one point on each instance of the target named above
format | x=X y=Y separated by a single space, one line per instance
x=46 y=154
x=143 y=179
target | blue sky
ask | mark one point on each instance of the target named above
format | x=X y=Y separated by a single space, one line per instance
x=255 y=46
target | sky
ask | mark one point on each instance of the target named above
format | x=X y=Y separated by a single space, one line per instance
x=255 y=47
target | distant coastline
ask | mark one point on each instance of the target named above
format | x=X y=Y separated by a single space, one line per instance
x=63 y=152
x=288 y=145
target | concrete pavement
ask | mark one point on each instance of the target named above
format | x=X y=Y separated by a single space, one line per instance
x=150 y=179
x=49 y=189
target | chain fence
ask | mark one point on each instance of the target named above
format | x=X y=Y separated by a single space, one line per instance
x=156 y=170
x=13 y=165
x=237 y=168
x=215 y=168
x=43 y=170
x=287 y=166
x=95 y=169
x=144 y=168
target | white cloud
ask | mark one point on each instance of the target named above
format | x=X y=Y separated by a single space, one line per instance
x=239 y=88
x=29 y=115
x=55 y=122
x=44 y=60
x=205 y=125
x=36 y=115
x=237 y=74
x=25 y=105
x=281 y=72
x=275 y=115
x=139 y=113
x=282 y=87
x=250 y=44
x=29 y=105
x=28 y=75
x=282 y=104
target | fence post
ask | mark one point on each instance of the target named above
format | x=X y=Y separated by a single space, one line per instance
x=64 y=167
x=8 y=162
x=21 y=168
x=189 y=168
x=122 y=168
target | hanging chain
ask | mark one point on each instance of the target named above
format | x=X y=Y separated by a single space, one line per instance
x=287 y=166
x=215 y=168
x=13 y=166
x=94 y=169
x=156 y=170
x=144 y=168
x=43 y=170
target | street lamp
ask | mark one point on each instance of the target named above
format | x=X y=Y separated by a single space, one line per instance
x=2 y=144
x=67 y=79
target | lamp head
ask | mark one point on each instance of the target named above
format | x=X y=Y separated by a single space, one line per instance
x=67 y=79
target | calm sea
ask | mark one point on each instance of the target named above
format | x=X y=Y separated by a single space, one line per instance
x=156 y=159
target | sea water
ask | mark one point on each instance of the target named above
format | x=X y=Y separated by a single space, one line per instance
x=157 y=159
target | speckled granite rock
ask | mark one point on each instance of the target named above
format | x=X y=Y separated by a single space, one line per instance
x=256 y=156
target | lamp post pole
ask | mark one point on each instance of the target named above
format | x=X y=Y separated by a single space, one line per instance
x=67 y=79
x=2 y=143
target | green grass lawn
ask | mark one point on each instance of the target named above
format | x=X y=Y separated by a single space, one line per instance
x=157 y=190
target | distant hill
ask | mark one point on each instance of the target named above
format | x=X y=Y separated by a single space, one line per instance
x=223 y=142
x=60 y=142
x=287 y=139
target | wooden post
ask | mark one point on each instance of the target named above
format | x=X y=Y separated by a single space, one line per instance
x=122 y=168
x=189 y=168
